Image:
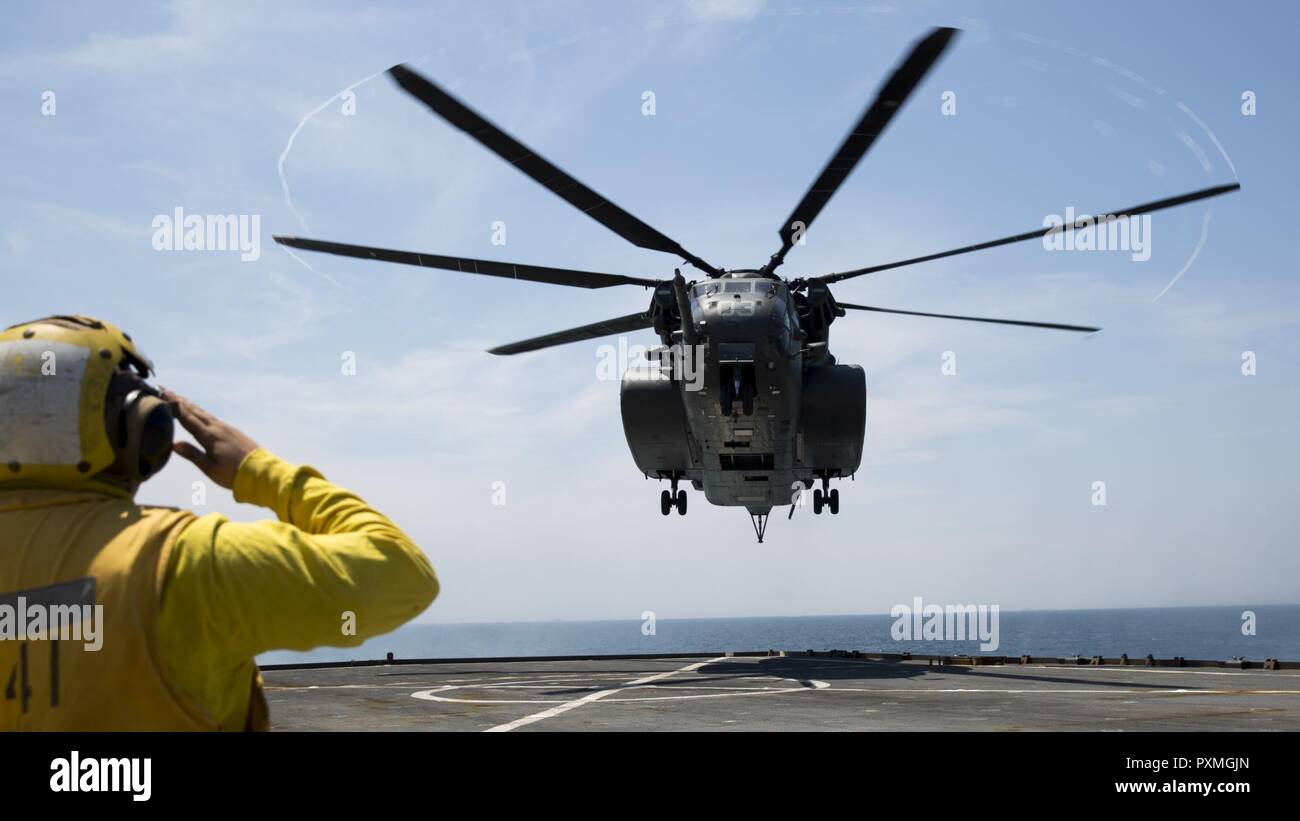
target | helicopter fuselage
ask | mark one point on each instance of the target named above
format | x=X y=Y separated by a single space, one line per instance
x=746 y=404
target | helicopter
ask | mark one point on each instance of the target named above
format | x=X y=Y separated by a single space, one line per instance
x=744 y=400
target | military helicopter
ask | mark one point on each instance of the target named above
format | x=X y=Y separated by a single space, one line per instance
x=744 y=400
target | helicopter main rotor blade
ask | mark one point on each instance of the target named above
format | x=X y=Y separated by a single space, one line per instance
x=1145 y=208
x=619 y=325
x=1053 y=325
x=889 y=99
x=465 y=265
x=496 y=140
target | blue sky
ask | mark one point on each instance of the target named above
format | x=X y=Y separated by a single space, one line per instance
x=974 y=487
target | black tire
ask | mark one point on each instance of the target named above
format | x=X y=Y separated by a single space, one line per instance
x=681 y=503
x=665 y=502
x=817 y=501
x=747 y=399
x=834 y=502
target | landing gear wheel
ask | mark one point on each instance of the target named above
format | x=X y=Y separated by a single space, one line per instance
x=726 y=398
x=681 y=503
x=747 y=399
x=818 y=501
x=665 y=502
x=834 y=502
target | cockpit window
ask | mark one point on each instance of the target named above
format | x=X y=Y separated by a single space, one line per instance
x=737 y=287
x=705 y=289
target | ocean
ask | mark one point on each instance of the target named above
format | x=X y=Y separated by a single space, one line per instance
x=1190 y=632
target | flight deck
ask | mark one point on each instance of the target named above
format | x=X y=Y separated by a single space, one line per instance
x=785 y=692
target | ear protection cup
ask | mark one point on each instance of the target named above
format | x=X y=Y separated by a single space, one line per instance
x=141 y=426
x=150 y=427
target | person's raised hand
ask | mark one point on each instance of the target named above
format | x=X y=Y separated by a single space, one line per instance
x=222 y=447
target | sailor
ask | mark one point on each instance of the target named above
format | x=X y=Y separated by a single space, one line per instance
x=186 y=602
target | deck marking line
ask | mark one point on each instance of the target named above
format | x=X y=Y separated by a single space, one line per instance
x=596 y=696
x=916 y=691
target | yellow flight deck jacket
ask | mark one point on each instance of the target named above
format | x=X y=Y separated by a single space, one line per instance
x=188 y=602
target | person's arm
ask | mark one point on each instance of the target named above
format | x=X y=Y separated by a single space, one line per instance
x=331 y=571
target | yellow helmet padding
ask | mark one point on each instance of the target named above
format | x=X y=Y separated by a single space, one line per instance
x=54 y=378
